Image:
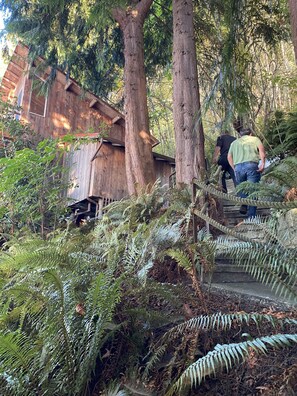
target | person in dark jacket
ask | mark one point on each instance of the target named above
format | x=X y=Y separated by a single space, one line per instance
x=220 y=157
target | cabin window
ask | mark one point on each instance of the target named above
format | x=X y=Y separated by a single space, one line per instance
x=37 y=99
x=19 y=103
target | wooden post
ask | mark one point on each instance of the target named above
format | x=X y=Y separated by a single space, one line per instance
x=100 y=208
x=207 y=213
x=195 y=222
x=194 y=217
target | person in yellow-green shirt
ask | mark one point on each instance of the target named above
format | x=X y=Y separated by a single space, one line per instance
x=243 y=156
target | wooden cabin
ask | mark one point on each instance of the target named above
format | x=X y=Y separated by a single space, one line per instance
x=96 y=169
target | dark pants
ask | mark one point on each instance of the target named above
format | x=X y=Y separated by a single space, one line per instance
x=223 y=162
x=248 y=171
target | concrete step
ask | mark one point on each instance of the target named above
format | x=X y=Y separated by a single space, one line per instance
x=232 y=218
x=255 y=232
x=233 y=211
x=226 y=271
x=229 y=277
x=254 y=290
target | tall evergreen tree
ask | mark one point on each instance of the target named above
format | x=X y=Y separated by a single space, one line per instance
x=139 y=159
x=293 y=17
x=189 y=137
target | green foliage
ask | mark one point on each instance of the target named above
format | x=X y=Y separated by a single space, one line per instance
x=136 y=233
x=33 y=179
x=181 y=258
x=222 y=356
x=138 y=209
x=66 y=34
x=233 y=39
x=246 y=201
x=269 y=263
x=52 y=332
x=280 y=133
x=82 y=39
x=172 y=203
x=67 y=300
x=199 y=256
x=220 y=321
x=31 y=188
x=275 y=134
x=14 y=134
x=226 y=356
x=160 y=111
x=81 y=305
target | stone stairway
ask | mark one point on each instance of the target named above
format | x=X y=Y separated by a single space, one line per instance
x=226 y=270
x=234 y=217
x=230 y=277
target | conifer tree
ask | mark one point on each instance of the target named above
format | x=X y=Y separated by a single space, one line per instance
x=293 y=17
x=189 y=137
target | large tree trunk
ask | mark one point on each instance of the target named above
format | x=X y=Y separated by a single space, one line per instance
x=189 y=136
x=138 y=144
x=293 y=17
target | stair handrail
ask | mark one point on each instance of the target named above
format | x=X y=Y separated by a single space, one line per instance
x=245 y=201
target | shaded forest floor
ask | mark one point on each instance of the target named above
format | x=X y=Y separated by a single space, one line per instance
x=270 y=375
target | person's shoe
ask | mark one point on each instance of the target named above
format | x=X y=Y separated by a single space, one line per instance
x=243 y=209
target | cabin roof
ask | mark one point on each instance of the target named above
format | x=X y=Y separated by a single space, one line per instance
x=157 y=156
x=18 y=66
x=119 y=143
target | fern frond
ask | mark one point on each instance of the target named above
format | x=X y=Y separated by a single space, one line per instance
x=226 y=356
x=16 y=351
x=180 y=257
x=268 y=263
x=100 y=304
x=114 y=389
x=266 y=225
x=156 y=356
x=262 y=191
x=220 y=321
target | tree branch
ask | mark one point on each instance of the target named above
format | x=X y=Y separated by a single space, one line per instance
x=119 y=14
x=143 y=7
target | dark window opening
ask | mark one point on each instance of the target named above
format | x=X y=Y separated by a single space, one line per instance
x=19 y=103
x=37 y=100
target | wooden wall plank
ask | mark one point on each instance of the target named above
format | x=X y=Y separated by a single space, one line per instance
x=79 y=163
x=67 y=112
x=163 y=170
x=109 y=173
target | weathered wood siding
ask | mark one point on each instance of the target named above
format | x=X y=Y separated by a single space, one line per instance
x=78 y=161
x=68 y=112
x=108 y=175
x=69 y=109
x=96 y=173
x=102 y=173
x=163 y=171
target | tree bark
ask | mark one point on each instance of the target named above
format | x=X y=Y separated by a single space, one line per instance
x=138 y=144
x=189 y=136
x=293 y=18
